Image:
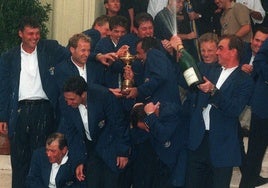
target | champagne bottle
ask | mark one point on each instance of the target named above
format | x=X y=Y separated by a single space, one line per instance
x=189 y=68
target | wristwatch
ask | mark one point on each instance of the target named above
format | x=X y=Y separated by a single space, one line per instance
x=213 y=90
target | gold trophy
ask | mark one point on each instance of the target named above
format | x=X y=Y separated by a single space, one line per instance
x=127 y=58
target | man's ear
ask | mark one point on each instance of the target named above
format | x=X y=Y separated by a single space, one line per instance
x=84 y=95
x=72 y=50
x=20 y=33
x=65 y=150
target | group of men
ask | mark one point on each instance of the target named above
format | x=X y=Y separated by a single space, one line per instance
x=144 y=136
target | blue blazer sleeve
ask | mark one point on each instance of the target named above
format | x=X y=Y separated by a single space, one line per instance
x=155 y=74
x=35 y=176
x=5 y=90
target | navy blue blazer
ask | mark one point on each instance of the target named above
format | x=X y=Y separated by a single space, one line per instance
x=105 y=45
x=49 y=53
x=247 y=53
x=168 y=135
x=67 y=69
x=95 y=36
x=106 y=127
x=259 y=101
x=227 y=104
x=160 y=79
x=40 y=169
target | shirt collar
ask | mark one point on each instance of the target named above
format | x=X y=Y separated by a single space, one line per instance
x=63 y=161
x=26 y=53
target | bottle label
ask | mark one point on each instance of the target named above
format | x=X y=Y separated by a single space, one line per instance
x=190 y=76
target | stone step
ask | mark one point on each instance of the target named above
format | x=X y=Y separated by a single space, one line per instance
x=5 y=172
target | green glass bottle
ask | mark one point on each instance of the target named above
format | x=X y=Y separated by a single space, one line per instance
x=189 y=68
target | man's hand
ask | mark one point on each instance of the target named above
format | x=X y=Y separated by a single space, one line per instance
x=116 y=92
x=79 y=172
x=194 y=16
x=122 y=51
x=166 y=44
x=3 y=128
x=206 y=87
x=256 y=15
x=132 y=93
x=175 y=41
x=107 y=59
x=121 y=162
x=191 y=35
x=247 y=68
x=152 y=108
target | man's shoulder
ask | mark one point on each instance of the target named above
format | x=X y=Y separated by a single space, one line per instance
x=11 y=52
x=64 y=64
x=39 y=154
x=98 y=90
x=91 y=32
x=240 y=7
x=244 y=77
x=47 y=43
x=105 y=40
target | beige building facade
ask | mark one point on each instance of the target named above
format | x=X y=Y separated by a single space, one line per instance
x=69 y=17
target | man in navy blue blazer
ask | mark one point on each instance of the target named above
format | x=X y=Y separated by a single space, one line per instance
x=251 y=49
x=258 y=136
x=100 y=29
x=51 y=166
x=164 y=143
x=160 y=80
x=93 y=125
x=28 y=95
x=79 y=62
x=214 y=147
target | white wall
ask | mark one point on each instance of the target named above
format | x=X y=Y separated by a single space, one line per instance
x=69 y=17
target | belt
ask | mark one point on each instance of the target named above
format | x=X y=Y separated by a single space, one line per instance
x=33 y=102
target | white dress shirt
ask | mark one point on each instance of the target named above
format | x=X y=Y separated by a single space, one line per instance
x=82 y=70
x=30 y=86
x=54 y=170
x=225 y=73
x=83 y=112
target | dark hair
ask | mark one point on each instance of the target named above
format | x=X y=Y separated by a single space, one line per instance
x=73 y=41
x=260 y=29
x=59 y=137
x=28 y=21
x=142 y=17
x=118 y=21
x=137 y=114
x=101 y=20
x=148 y=43
x=235 y=42
x=76 y=84
x=106 y=1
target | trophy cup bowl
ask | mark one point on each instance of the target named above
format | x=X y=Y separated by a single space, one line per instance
x=126 y=84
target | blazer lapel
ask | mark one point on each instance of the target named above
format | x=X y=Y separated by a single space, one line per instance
x=215 y=74
x=229 y=81
x=48 y=167
x=90 y=112
x=17 y=65
x=73 y=67
x=41 y=61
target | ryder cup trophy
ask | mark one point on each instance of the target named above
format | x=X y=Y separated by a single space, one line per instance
x=127 y=83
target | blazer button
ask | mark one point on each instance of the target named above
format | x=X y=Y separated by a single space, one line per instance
x=167 y=144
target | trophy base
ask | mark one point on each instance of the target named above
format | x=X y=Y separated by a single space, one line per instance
x=125 y=86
